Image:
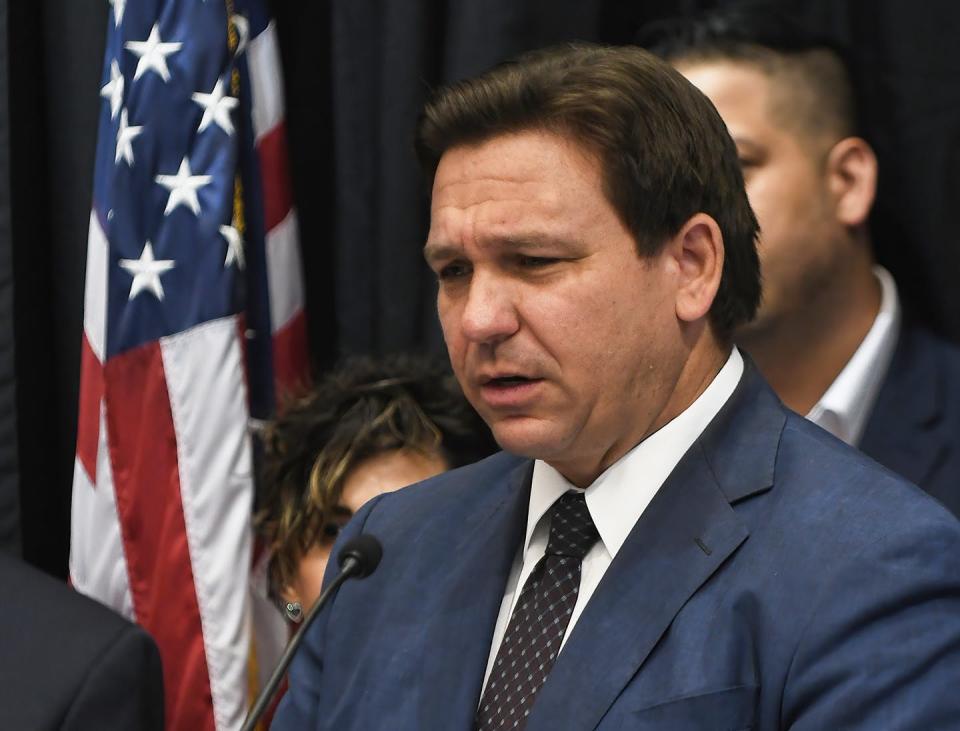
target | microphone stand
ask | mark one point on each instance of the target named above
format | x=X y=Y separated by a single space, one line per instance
x=350 y=567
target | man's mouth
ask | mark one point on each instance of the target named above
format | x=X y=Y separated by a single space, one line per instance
x=509 y=391
x=505 y=381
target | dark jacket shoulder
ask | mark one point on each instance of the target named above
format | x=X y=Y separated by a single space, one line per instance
x=914 y=428
x=67 y=661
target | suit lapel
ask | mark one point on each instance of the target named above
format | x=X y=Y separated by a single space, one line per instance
x=683 y=537
x=458 y=635
x=658 y=568
x=904 y=431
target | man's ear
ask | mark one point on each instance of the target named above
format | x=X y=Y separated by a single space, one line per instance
x=698 y=252
x=852 y=179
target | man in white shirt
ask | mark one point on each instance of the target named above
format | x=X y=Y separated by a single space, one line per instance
x=829 y=336
x=662 y=544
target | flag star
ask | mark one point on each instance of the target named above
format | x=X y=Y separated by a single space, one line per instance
x=153 y=54
x=216 y=107
x=183 y=188
x=125 y=137
x=146 y=272
x=113 y=89
x=243 y=32
x=118 y=7
x=234 y=247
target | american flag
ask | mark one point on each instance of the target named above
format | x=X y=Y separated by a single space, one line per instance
x=193 y=324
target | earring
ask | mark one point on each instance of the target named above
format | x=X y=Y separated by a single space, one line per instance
x=294 y=612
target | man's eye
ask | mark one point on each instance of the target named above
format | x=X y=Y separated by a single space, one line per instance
x=452 y=271
x=535 y=261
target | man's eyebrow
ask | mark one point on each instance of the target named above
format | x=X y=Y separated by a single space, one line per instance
x=527 y=241
x=513 y=240
x=530 y=243
x=438 y=251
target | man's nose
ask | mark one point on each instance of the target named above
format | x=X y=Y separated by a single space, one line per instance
x=489 y=315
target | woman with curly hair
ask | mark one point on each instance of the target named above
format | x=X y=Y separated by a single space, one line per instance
x=368 y=427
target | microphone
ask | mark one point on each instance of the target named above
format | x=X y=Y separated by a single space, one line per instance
x=358 y=558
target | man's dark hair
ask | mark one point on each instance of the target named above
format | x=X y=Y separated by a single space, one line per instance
x=664 y=152
x=813 y=92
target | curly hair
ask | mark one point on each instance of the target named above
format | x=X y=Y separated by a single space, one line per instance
x=362 y=408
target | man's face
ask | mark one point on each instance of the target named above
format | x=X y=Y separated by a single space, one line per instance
x=562 y=337
x=800 y=244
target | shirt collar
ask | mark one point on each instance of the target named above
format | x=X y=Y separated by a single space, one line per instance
x=618 y=497
x=844 y=408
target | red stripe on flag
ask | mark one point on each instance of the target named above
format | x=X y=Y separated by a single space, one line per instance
x=290 y=356
x=143 y=453
x=275 y=173
x=88 y=412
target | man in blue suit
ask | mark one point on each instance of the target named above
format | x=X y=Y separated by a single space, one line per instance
x=831 y=336
x=662 y=544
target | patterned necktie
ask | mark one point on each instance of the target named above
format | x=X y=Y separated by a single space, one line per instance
x=532 y=641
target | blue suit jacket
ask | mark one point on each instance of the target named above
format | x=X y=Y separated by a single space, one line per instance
x=914 y=428
x=779 y=579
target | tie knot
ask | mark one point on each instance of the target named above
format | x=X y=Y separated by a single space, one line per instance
x=572 y=532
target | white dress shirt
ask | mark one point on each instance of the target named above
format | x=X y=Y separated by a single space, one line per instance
x=844 y=408
x=616 y=499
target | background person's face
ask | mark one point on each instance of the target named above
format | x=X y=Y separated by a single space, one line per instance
x=562 y=337
x=374 y=476
x=786 y=183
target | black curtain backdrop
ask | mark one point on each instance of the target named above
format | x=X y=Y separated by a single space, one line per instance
x=9 y=470
x=357 y=72
x=56 y=51
x=906 y=56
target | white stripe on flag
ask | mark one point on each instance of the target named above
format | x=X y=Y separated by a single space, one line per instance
x=266 y=82
x=95 y=292
x=98 y=565
x=208 y=399
x=284 y=271
x=270 y=633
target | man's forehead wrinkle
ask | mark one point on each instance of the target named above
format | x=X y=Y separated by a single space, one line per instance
x=505 y=196
x=466 y=192
x=498 y=208
x=521 y=177
x=448 y=232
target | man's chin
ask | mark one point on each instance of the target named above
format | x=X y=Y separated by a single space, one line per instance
x=528 y=437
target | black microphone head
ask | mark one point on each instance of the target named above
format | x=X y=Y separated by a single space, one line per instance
x=365 y=550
